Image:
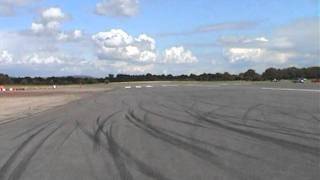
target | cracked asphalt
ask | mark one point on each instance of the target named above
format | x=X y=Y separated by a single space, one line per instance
x=169 y=133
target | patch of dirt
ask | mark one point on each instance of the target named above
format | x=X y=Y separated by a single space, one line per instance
x=19 y=104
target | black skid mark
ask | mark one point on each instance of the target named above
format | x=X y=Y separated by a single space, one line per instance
x=6 y=167
x=136 y=163
x=199 y=152
x=280 y=142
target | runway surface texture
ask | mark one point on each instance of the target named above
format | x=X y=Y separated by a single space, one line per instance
x=169 y=132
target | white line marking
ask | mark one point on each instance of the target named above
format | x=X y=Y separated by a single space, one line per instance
x=148 y=86
x=199 y=85
x=138 y=87
x=289 y=89
x=127 y=87
x=168 y=85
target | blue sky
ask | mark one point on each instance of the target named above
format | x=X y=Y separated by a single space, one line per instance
x=97 y=37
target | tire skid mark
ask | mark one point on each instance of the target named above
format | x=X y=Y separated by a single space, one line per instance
x=115 y=155
x=34 y=128
x=289 y=130
x=17 y=172
x=278 y=129
x=283 y=143
x=258 y=107
x=120 y=156
x=171 y=118
x=87 y=159
x=280 y=142
x=139 y=165
x=100 y=126
x=282 y=131
x=201 y=153
x=67 y=137
x=117 y=159
x=88 y=134
x=250 y=109
x=198 y=141
x=6 y=167
x=274 y=129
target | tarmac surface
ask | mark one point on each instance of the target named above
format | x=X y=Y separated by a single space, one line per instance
x=170 y=132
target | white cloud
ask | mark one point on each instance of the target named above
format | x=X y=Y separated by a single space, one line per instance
x=117 y=7
x=62 y=36
x=8 y=7
x=112 y=38
x=243 y=41
x=225 y=26
x=302 y=35
x=146 y=41
x=53 y=14
x=118 y=45
x=49 y=21
x=38 y=59
x=77 y=34
x=69 y=36
x=257 y=55
x=179 y=55
x=261 y=39
x=124 y=67
x=5 y=57
x=37 y=27
x=237 y=54
x=295 y=43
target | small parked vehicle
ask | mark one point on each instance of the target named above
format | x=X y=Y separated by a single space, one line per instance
x=275 y=80
x=300 y=80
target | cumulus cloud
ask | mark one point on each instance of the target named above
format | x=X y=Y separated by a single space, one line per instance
x=49 y=24
x=40 y=50
x=295 y=43
x=50 y=21
x=179 y=55
x=40 y=59
x=77 y=34
x=69 y=36
x=124 y=67
x=5 y=57
x=257 y=55
x=53 y=14
x=117 y=8
x=118 y=45
x=8 y=7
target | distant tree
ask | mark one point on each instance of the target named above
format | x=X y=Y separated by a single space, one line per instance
x=312 y=72
x=5 y=79
x=271 y=73
x=251 y=75
x=227 y=77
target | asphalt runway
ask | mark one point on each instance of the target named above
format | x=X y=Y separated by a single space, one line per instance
x=169 y=132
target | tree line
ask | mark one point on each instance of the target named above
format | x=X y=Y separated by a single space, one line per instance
x=250 y=75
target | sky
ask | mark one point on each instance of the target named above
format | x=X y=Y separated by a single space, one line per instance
x=101 y=37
